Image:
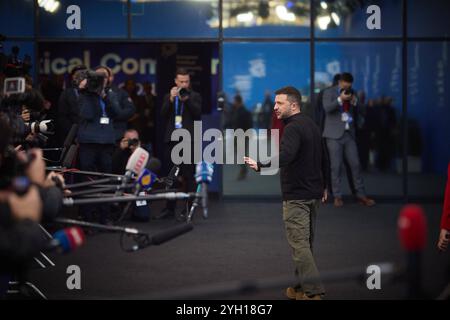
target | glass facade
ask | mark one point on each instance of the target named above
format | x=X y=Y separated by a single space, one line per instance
x=264 y=45
x=253 y=71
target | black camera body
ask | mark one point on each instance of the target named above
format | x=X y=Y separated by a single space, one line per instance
x=95 y=82
x=184 y=93
x=348 y=91
x=133 y=142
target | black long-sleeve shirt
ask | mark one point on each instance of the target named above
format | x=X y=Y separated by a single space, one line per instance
x=302 y=159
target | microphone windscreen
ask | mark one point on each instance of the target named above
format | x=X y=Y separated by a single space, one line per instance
x=146 y=179
x=412 y=228
x=52 y=202
x=154 y=164
x=171 y=233
x=137 y=161
x=204 y=172
x=69 y=239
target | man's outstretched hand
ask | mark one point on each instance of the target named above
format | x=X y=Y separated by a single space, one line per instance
x=251 y=163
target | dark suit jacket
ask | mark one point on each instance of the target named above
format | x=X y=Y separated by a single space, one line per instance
x=192 y=111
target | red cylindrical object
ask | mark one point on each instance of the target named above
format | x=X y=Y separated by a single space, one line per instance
x=412 y=228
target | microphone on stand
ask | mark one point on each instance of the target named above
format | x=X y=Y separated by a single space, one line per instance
x=203 y=175
x=412 y=230
x=136 y=163
x=143 y=183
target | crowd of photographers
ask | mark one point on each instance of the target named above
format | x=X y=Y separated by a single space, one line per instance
x=33 y=119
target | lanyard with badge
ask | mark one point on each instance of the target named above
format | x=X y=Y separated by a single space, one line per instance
x=346 y=116
x=178 y=114
x=104 y=118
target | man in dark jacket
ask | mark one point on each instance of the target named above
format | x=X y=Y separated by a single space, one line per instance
x=126 y=104
x=68 y=112
x=181 y=107
x=303 y=174
x=96 y=134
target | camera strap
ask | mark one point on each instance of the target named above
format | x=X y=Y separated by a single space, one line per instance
x=104 y=118
x=103 y=106
x=178 y=114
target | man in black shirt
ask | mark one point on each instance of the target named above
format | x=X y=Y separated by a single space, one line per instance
x=181 y=107
x=303 y=173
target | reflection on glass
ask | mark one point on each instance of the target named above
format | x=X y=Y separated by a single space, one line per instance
x=263 y=18
x=428 y=117
x=351 y=18
x=175 y=18
x=251 y=74
x=376 y=68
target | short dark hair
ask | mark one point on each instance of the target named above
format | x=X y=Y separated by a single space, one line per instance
x=77 y=68
x=182 y=72
x=336 y=78
x=293 y=95
x=108 y=70
x=347 y=77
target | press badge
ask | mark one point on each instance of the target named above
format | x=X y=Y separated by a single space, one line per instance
x=178 y=122
x=104 y=120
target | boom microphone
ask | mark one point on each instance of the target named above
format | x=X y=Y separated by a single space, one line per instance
x=67 y=240
x=51 y=202
x=171 y=233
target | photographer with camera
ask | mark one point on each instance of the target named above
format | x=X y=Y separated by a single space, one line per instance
x=127 y=108
x=96 y=136
x=181 y=107
x=339 y=103
x=68 y=112
x=24 y=106
x=27 y=197
x=127 y=145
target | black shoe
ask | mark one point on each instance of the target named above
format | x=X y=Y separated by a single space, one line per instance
x=165 y=214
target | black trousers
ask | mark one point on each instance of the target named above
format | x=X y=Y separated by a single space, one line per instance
x=98 y=158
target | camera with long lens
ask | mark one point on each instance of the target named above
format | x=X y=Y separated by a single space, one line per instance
x=184 y=93
x=16 y=95
x=95 y=82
